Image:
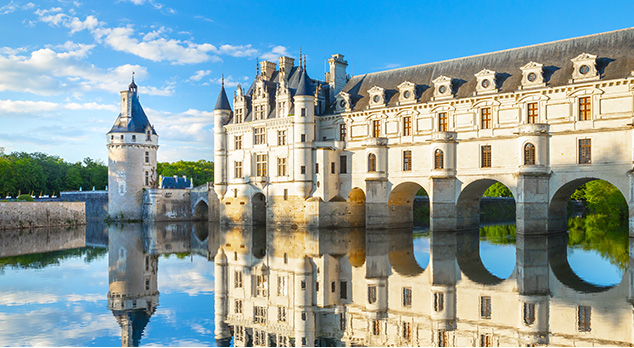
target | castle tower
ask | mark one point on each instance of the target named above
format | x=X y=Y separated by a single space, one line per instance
x=132 y=146
x=132 y=287
x=304 y=136
x=222 y=112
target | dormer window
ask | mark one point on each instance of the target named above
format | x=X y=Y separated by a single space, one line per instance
x=133 y=138
x=584 y=68
x=532 y=75
x=148 y=135
x=407 y=92
x=377 y=96
x=342 y=102
x=442 y=87
x=485 y=81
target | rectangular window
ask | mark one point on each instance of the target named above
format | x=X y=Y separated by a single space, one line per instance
x=237 y=279
x=147 y=179
x=332 y=167
x=485 y=156
x=439 y=301
x=443 y=340
x=333 y=287
x=407 y=297
x=376 y=128
x=259 y=315
x=237 y=141
x=285 y=198
x=407 y=331
x=529 y=313
x=259 y=137
x=260 y=165
x=281 y=137
x=302 y=284
x=585 y=108
x=303 y=138
x=239 y=116
x=237 y=169
x=371 y=294
x=407 y=160
x=585 y=151
x=342 y=322
x=147 y=157
x=317 y=286
x=584 y=313
x=282 y=286
x=316 y=168
x=133 y=137
x=148 y=136
x=442 y=121
x=237 y=307
x=407 y=125
x=486 y=341
x=485 y=307
x=281 y=313
x=342 y=132
x=532 y=113
x=376 y=327
x=343 y=164
x=343 y=290
x=261 y=285
x=281 y=166
x=303 y=111
x=302 y=170
x=486 y=117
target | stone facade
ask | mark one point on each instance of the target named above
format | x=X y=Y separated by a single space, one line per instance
x=542 y=120
x=41 y=214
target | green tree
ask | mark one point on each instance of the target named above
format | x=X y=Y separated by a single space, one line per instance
x=201 y=171
x=497 y=190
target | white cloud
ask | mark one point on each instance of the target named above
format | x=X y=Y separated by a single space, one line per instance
x=156 y=49
x=199 y=75
x=154 y=4
x=55 y=17
x=12 y=7
x=275 y=53
x=228 y=81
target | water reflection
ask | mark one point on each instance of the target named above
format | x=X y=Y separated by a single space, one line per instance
x=303 y=287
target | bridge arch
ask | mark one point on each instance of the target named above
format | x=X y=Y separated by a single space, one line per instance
x=201 y=210
x=401 y=204
x=562 y=190
x=401 y=253
x=468 y=201
x=470 y=261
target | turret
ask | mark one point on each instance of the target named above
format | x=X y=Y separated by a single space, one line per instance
x=220 y=297
x=304 y=135
x=304 y=315
x=222 y=112
x=132 y=145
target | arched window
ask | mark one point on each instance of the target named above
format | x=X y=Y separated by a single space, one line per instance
x=439 y=159
x=371 y=162
x=529 y=154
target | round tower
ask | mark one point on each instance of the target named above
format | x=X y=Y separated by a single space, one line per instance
x=304 y=136
x=304 y=320
x=132 y=145
x=221 y=331
x=222 y=112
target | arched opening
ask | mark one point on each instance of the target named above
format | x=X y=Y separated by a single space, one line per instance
x=483 y=262
x=371 y=163
x=409 y=206
x=529 y=154
x=439 y=159
x=485 y=202
x=356 y=204
x=201 y=211
x=402 y=254
x=594 y=214
x=258 y=206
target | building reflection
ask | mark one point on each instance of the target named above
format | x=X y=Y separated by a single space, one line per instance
x=134 y=251
x=358 y=288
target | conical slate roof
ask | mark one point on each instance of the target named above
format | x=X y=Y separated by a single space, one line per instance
x=223 y=102
x=138 y=121
x=304 y=87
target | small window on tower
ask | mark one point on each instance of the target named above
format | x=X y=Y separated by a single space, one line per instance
x=147 y=154
x=112 y=137
x=147 y=178
x=148 y=136
x=133 y=137
x=121 y=136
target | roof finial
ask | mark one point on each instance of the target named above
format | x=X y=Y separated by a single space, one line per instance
x=300 y=56
x=133 y=76
x=257 y=66
x=304 y=62
x=223 y=80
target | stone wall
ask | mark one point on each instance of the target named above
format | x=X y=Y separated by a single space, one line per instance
x=40 y=240
x=96 y=202
x=40 y=214
x=167 y=205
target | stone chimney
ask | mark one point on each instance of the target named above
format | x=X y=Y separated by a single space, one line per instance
x=337 y=77
x=286 y=64
x=267 y=69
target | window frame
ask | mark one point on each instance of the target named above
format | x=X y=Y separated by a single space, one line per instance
x=585 y=108
x=529 y=154
x=237 y=142
x=282 y=166
x=261 y=160
x=532 y=112
x=407 y=125
x=237 y=169
x=442 y=121
x=376 y=128
x=371 y=163
x=439 y=159
x=486 y=118
x=584 y=151
x=485 y=156
x=259 y=136
x=407 y=160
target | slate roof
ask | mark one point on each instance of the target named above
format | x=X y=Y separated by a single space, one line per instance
x=293 y=79
x=170 y=182
x=615 y=59
x=223 y=101
x=304 y=87
x=138 y=120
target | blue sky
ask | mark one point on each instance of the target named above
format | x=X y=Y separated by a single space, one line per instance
x=63 y=62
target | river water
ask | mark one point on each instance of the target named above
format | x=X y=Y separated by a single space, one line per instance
x=158 y=285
